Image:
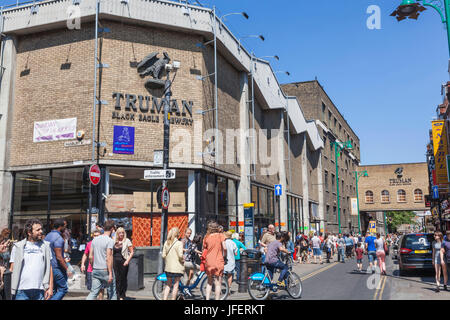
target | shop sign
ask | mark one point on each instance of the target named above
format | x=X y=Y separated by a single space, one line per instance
x=440 y=143
x=54 y=130
x=123 y=140
x=148 y=109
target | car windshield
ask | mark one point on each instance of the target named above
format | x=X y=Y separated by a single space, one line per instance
x=418 y=241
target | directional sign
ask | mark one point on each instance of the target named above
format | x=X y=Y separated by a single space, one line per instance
x=435 y=192
x=278 y=189
x=165 y=198
x=159 y=174
x=94 y=174
x=372 y=226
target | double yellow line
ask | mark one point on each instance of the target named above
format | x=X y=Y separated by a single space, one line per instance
x=379 y=291
x=318 y=271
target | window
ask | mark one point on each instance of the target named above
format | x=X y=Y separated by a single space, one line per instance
x=332 y=180
x=369 y=196
x=401 y=195
x=326 y=180
x=335 y=123
x=340 y=128
x=385 y=196
x=418 y=195
x=329 y=118
x=323 y=111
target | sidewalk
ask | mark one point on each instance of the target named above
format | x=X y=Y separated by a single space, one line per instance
x=78 y=291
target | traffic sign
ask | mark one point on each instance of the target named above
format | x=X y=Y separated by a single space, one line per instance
x=278 y=189
x=372 y=226
x=165 y=198
x=435 y=192
x=159 y=174
x=94 y=174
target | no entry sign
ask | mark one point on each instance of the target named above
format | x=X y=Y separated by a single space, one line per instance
x=165 y=198
x=94 y=174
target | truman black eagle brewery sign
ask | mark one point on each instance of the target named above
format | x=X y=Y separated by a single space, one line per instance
x=148 y=109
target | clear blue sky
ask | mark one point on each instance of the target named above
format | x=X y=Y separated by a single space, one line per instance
x=385 y=82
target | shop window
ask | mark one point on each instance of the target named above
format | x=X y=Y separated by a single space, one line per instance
x=401 y=195
x=418 y=195
x=31 y=192
x=385 y=196
x=369 y=196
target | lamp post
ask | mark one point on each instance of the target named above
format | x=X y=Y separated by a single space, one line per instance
x=411 y=9
x=338 y=147
x=357 y=176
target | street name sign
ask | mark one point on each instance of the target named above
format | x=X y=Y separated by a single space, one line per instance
x=159 y=174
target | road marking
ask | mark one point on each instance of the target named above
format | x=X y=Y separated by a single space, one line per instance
x=318 y=271
x=380 y=297
x=380 y=288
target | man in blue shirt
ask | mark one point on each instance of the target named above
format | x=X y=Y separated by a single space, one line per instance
x=371 y=251
x=59 y=266
x=348 y=246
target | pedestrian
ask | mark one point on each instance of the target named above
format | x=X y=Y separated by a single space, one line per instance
x=101 y=259
x=341 y=248
x=348 y=245
x=31 y=266
x=371 y=251
x=304 y=247
x=380 y=245
x=61 y=271
x=232 y=251
x=316 y=248
x=262 y=249
x=268 y=237
x=5 y=246
x=174 y=262
x=359 y=256
x=67 y=253
x=241 y=247
x=438 y=261
x=122 y=254
x=190 y=256
x=88 y=271
x=273 y=261
x=327 y=246
x=214 y=244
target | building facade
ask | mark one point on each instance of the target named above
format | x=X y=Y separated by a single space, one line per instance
x=51 y=135
x=333 y=128
x=391 y=187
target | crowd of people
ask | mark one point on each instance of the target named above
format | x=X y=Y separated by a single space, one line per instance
x=41 y=264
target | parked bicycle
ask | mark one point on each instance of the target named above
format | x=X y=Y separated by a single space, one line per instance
x=260 y=284
x=184 y=291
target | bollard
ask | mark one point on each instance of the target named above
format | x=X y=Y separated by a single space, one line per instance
x=7 y=286
x=244 y=273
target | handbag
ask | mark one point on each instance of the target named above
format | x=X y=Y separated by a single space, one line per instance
x=386 y=250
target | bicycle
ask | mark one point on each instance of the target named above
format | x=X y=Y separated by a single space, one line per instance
x=186 y=291
x=260 y=284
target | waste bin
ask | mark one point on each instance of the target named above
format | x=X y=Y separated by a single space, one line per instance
x=253 y=261
x=135 y=276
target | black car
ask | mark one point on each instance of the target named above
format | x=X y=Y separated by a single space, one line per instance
x=415 y=252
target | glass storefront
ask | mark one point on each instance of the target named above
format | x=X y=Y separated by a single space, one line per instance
x=266 y=209
x=294 y=205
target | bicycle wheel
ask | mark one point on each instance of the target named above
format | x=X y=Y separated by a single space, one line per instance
x=224 y=289
x=257 y=290
x=294 y=285
x=158 y=288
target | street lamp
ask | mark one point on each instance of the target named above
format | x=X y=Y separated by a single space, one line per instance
x=411 y=9
x=357 y=176
x=338 y=147
x=250 y=36
x=286 y=72
x=221 y=19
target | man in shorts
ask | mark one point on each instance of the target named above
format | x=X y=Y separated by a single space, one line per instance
x=371 y=252
x=316 y=248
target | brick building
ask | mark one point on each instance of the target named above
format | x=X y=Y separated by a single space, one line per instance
x=48 y=85
x=391 y=187
x=318 y=107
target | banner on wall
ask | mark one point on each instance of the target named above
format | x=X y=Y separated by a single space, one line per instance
x=354 y=206
x=54 y=130
x=123 y=140
x=440 y=146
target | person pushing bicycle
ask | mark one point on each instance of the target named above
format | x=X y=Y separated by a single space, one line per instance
x=273 y=261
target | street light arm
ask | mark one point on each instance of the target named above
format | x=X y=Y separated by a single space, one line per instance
x=430 y=3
